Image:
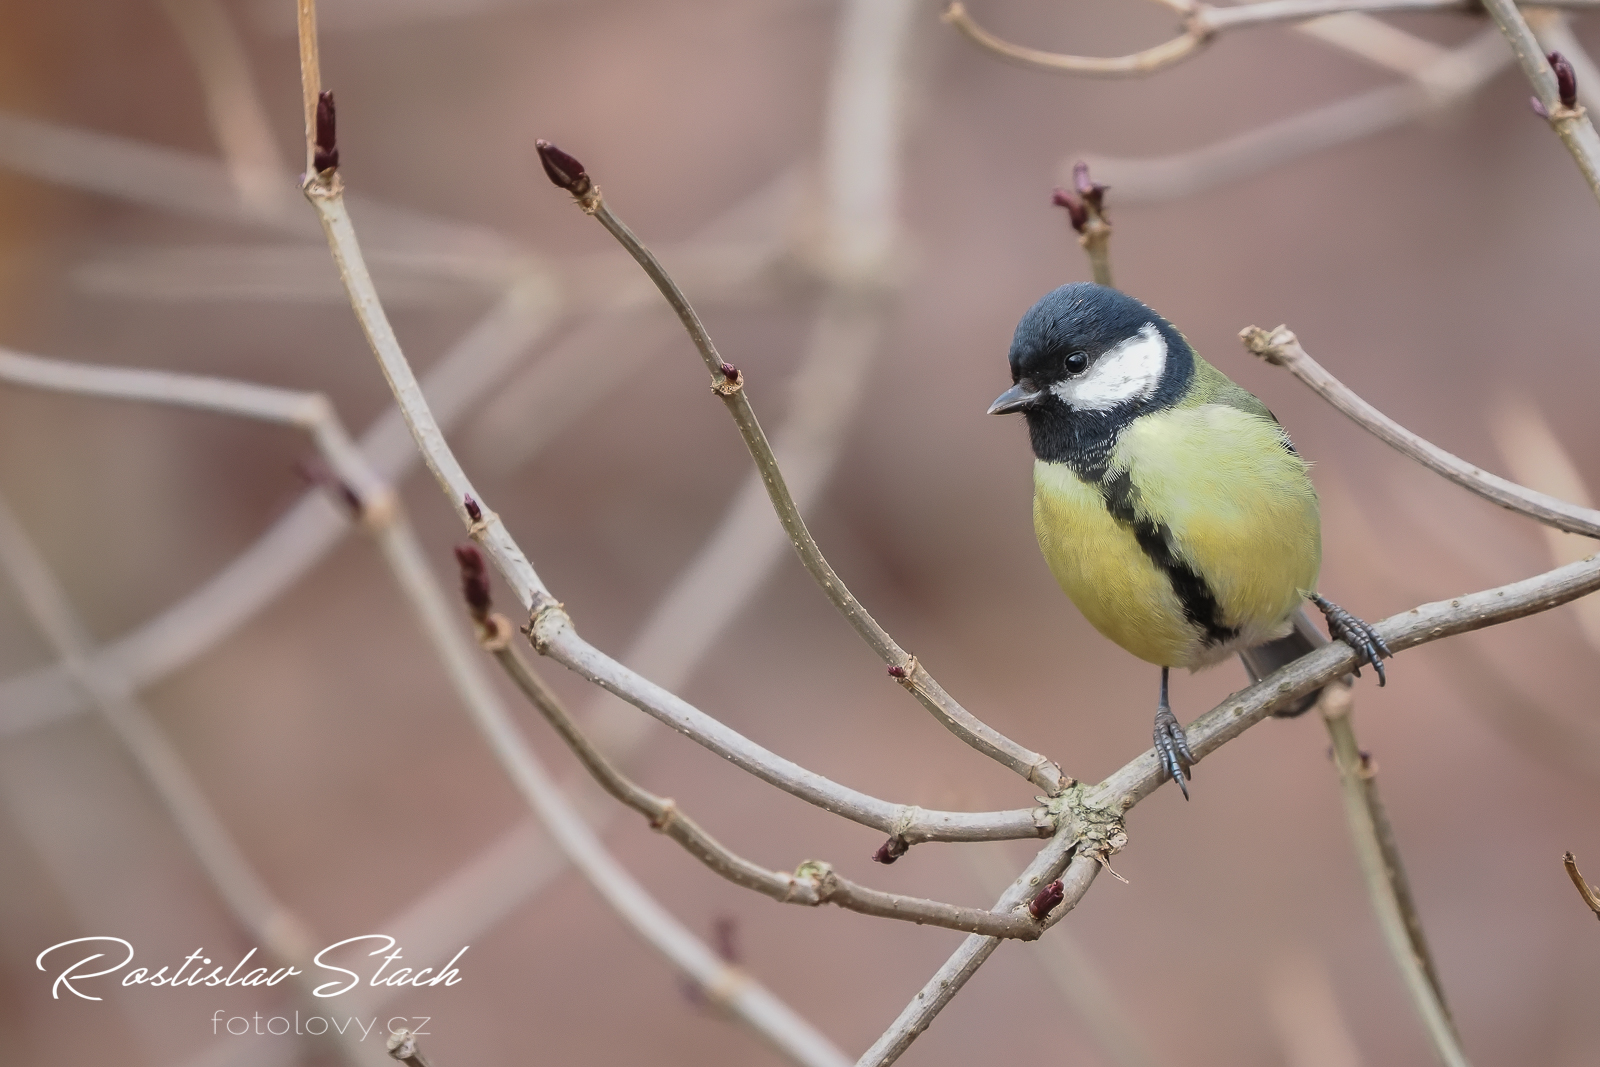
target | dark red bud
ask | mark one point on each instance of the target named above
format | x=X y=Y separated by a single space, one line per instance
x=890 y=850
x=1046 y=901
x=562 y=169
x=474 y=512
x=897 y=672
x=1092 y=192
x=474 y=581
x=730 y=372
x=1076 y=212
x=1566 y=79
x=326 y=156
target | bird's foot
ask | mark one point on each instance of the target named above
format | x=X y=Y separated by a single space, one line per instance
x=1172 y=748
x=1343 y=626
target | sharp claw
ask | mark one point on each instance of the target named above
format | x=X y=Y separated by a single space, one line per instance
x=1368 y=646
x=1172 y=748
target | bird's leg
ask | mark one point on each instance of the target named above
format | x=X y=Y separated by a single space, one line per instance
x=1343 y=626
x=1172 y=747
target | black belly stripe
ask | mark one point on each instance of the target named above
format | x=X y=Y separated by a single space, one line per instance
x=1200 y=605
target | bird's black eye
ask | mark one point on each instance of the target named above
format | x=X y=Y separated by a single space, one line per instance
x=1077 y=362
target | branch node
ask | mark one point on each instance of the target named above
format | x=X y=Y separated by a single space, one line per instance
x=548 y=615
x=664 y=818
x=1270 y=345
x=495 y=634
x=905 y=673
x=1098 y=831
x=819 y=875
x=379 y=509
x=731 y=381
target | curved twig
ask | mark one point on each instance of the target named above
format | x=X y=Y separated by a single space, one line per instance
x=813 y=883
x=1385 y=878
x=1281 y=348
x=1143 y=775
x=1202 y=22
x=1145 y=62
x=1569 y=120
x=728 y=383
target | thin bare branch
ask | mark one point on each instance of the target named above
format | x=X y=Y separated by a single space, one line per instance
x=1538 y=460
x=1081 y=982
x=1387 y=885
x=1267 y=11
x=948 y=980
x=191 y=185
x=814 y=882
x=1590 y=895
x=1139 y=63
x=1085 y=207
x=1202 y=22
x=1569 y=120
x=733 y=990
x=296 y=541
x=728 y=383
x=551 y=629
x=247 y=896
x=1107 y=802
x=1460 y=74
x=1555 y=35
x=238 y=119
x=1281 y=348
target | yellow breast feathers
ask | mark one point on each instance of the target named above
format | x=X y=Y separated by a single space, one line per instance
x=1203 y=537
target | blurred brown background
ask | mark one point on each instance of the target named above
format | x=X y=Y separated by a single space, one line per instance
x=1444 y=270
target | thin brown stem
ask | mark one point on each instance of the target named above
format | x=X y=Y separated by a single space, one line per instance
x=949 y=979
x=1385 y=876
x=728 y=383
x=813 y=883
x=1202 y=22
x=1145 y=62
x=1568 y=119
x=1281 y=348
x=1590 y=895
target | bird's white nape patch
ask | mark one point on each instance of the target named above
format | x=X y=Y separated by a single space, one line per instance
x=1130 y=371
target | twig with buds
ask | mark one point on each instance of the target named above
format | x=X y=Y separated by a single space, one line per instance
x=1387 y=885
x=1202 y=22
x=727 y=381
x=1087 y=212
x=1555 y=89
x=813 y=883
x=1281 y=348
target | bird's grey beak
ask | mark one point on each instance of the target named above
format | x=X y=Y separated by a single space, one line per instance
x=1018 y=398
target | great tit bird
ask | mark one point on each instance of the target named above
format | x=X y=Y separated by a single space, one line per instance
x=1169 y=503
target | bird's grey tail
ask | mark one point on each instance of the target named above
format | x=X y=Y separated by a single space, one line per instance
x=1262 y=660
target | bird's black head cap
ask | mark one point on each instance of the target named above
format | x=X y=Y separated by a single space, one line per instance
x=1085 y=361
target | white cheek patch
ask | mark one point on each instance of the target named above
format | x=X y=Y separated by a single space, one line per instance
x=1130 y=371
